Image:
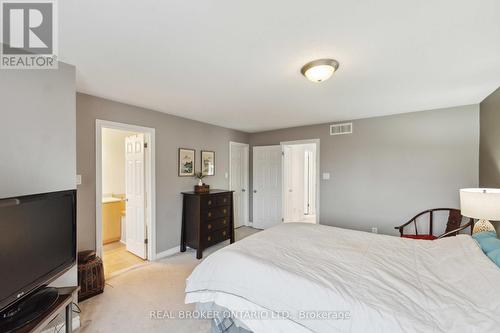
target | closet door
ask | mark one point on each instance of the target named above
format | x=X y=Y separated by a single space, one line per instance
x=267 y=187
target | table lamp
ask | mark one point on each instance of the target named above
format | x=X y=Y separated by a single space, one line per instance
x=482 y=204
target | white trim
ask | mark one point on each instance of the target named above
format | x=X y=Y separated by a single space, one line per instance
x=168 y=253
x=150 y=181
x=246 y=222
x=318 y=182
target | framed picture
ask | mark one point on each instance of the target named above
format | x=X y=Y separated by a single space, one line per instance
x=208 y=163
x=186 y=162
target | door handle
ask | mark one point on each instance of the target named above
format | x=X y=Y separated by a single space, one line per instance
x=254 y=191
x=243 y=190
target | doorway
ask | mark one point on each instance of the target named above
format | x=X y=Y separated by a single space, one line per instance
x=301 y=181
x=238 y=181
x=125 y=233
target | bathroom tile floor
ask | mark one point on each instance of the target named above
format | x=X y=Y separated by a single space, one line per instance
x=116 y=258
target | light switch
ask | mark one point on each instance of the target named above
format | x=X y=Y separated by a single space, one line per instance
x=78 y=179
x=326 y=176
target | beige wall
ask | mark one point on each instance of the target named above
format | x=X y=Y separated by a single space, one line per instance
x=392 y=167
x=113 y=161
x=171 y=133
x=489 y=152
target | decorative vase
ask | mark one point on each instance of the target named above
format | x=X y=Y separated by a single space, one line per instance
x=200 y=183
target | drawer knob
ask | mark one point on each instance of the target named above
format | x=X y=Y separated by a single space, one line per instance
x=225 y=199
x=209 y=202
x=224 y=222
x=225 y=211
x=209 y=226
x=209 y=214
x=224 y=233
x=209 y=238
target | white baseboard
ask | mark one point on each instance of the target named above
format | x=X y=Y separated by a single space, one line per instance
x=175 y=250
x=168 y=253
x=61 y=326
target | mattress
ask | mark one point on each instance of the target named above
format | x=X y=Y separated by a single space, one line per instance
x=298 y=277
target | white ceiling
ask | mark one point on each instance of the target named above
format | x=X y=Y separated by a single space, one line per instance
x=237 y=63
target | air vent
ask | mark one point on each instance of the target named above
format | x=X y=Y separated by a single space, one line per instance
x=339 y=129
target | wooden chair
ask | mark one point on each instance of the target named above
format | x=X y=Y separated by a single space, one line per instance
x=453 y=226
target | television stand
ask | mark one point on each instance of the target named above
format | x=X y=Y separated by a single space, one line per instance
x=43 y=317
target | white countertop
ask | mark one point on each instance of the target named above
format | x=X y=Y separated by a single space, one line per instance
x=106 y=200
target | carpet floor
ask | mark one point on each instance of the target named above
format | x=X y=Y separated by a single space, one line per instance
x=132 y=299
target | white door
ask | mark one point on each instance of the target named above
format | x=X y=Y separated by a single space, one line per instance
x=136 y=201
x=239 y=182
x=267 y=190
x=293 y=186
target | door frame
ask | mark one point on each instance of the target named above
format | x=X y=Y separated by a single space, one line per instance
x=246 y=167
x=301 y=142
x=150 y=184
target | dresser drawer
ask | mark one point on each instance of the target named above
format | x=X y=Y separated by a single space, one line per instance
x=213 y=225
x=215 y=201
x=215 y=213
x=216 y=237
x=223 y=200
x=208 y=202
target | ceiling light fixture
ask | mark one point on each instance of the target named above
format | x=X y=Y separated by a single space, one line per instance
x=319 y=70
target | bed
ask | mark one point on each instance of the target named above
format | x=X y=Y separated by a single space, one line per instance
x=298 y=277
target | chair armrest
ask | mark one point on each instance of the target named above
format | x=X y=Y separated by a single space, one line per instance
x=465 y=226
x=413 y=220
x=400 y=228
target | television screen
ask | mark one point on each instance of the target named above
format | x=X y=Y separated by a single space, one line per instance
x=37 y=241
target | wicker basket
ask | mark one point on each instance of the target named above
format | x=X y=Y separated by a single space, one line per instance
x=90 y=275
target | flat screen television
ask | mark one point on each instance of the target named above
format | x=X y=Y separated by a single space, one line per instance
x=37 y=242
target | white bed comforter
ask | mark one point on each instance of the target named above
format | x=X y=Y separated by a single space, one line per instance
x=388 y=284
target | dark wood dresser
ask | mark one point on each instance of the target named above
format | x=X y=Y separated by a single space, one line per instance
x=207 y=219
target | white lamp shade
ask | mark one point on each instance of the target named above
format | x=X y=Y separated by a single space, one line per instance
x=480 y=203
